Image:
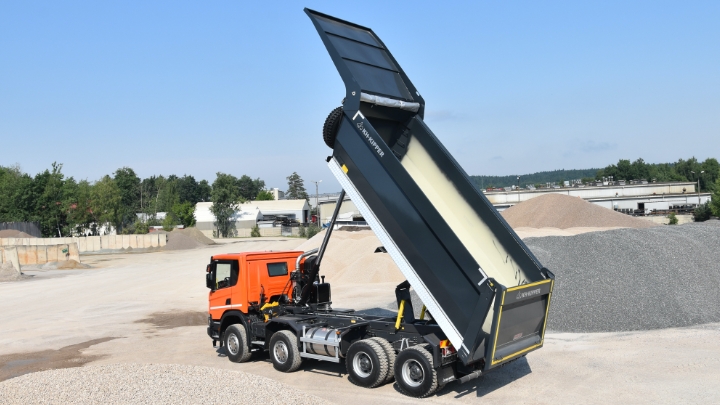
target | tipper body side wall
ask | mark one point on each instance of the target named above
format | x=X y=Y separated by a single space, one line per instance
x=452 y=245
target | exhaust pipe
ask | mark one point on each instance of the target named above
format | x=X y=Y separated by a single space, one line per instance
x=306 y=254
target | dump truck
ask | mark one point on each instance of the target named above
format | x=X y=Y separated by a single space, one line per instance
x=485 y=296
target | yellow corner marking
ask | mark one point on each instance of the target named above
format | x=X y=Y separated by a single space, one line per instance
x=497 y=330
x=344 y=169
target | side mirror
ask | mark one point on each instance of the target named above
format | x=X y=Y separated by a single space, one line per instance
x=209 y=281
x=209 y=277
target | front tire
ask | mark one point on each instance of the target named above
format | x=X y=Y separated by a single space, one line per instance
x=414 y=372
x=236 y=343
x=366 y=363
x=284 y=351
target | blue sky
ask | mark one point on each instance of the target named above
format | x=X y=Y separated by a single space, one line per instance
x=244 y=87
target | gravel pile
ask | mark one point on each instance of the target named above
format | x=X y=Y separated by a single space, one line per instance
x=562 y=211
x=633 y=279
x=12 y=233
x=190 y=238
x=9 y=273
x=149 y=384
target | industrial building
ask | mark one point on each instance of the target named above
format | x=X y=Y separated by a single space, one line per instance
x=628 y=198
x=250 y=213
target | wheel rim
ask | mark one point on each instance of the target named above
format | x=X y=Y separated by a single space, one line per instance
x=281 y=352
x=233 y=344
x=362 y=365
x=413 y=373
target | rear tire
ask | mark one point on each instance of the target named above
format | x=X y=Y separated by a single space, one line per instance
x=332 y=124
x=414 y=372
x=284 y=351
x=366 y=363
x=236 y=343
x=390 y=353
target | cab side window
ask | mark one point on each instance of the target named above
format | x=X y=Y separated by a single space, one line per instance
x=226 y=274
x=277 y=269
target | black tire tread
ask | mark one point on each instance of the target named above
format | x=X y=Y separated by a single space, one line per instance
x=294 y=351
x=330 y=128
x=382 y=359
x=391 y=355
x=433 y=374
x=245 y=346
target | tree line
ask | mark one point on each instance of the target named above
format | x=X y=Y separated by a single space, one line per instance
x=65 y=206
x=682 y=170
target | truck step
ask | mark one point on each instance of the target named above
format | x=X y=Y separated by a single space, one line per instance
x=318 y=357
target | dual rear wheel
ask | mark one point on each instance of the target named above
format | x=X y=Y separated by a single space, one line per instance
x=372 y=362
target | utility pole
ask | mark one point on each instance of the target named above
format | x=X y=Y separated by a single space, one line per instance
x=698 y=182
x=317 y=199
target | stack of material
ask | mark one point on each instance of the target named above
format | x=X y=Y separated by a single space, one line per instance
x=8 y=272
x=563 y=212
x=633 y=279
x=189 y=238
x=12 y=233
x=349 y=258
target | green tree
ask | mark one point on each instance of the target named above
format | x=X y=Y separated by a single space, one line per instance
x=264 y=195
x=249 y=188
x=225 y=200
x=203 y=191
x=106 y=202
x=673 y=220
x=185 y=213
x=255 y=232
x=129 y=185
x=169 y=222
x=715 y=201
x=703 y=212
x=296 y=188
x=49 y=186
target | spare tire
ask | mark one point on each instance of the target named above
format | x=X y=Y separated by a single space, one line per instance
x=330 y=129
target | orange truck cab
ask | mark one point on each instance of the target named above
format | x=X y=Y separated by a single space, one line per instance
x=243 y=283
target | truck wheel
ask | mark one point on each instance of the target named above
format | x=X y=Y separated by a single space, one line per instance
x=332 y=124
x=284 y=351
x=366 y=363
x=236 y=343
x=414 y=372
x=390 y=353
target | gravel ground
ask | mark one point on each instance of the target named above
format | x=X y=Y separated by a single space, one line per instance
x=633 y=279
x=149 y=384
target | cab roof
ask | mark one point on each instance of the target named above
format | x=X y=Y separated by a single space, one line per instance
x=269 y=254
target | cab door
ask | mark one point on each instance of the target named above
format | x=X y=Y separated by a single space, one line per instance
x=224 y=278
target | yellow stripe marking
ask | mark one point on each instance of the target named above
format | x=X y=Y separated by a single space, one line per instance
x=344 y=169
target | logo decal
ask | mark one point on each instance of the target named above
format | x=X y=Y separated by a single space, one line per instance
x=525 y=294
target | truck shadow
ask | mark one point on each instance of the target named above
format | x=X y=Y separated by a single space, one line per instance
x=490 y=382
x=309 y=366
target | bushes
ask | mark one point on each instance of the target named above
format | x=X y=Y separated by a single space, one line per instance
x=141 y=228
x=703 y=212
x=312 y=230
x=255 y=232
x=169 y=222
x=673 y=219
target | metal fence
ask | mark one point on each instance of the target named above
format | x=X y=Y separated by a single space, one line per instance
x=30 y=228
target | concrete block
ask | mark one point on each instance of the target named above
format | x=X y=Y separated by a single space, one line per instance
x=73 y=252
x=10 y=255
x=162 y=239
x=125 y=241
x=82 y=244
x=10 y=242
x=132 y=241
x=95 y=243
x=140 y=241
x=41 y=254
x=63 y=252
x=154 y=241
x=52 y=253
x=22 y=252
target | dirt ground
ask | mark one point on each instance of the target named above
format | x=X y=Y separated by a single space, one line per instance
x=149 y=308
